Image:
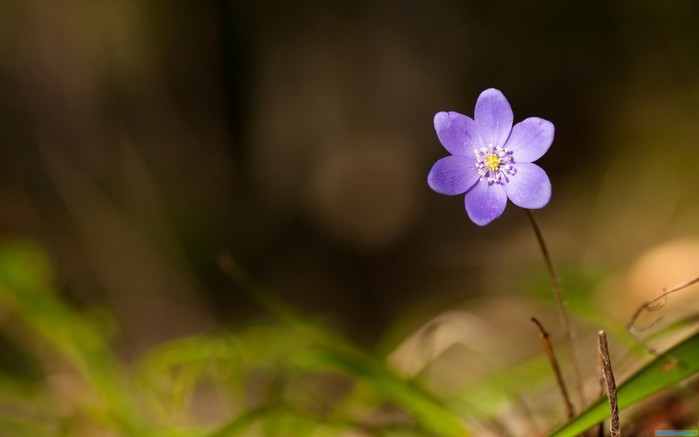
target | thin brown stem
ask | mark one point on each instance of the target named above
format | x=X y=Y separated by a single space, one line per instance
x=653 y=305
x=565 y=318
x=614 y=428
x=602 y=389
x=548 y=348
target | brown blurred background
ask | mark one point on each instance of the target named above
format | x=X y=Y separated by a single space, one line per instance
x=139 y=139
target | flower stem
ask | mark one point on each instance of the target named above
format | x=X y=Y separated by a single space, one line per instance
x=565 y=318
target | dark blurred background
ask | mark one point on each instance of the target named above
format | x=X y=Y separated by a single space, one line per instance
x=140 y=139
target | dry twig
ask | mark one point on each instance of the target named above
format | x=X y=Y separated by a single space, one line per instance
x=651 y=305
x=570 y=409
x=602 y=389
x=611 y=385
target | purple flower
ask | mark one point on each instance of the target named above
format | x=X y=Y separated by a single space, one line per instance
x=491 y=160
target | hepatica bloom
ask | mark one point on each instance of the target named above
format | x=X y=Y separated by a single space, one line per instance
x=491 y=160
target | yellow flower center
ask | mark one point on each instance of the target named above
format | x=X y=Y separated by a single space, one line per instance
x=492 y=161
x=494 y=164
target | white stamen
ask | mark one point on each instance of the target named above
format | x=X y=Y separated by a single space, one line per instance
x=503 y=166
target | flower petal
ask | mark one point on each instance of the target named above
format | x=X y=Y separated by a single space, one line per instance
x=493 y=117
x=530 y=139
x=485 y=202
x=453 y=175
x=529 y=187
x=457 y=133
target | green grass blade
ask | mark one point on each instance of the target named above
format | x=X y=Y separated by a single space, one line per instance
x=429 y=413
x=675 y=365
x=24 y=288
x=338 y=353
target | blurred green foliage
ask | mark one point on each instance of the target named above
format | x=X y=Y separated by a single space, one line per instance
x=293 y=377
x=154 y=397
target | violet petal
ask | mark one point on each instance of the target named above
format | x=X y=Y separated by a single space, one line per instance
x=493 y=117
x=457 y=133
x=530 y=139
x=485 y=202
x=453 y=175
x=529 y=187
